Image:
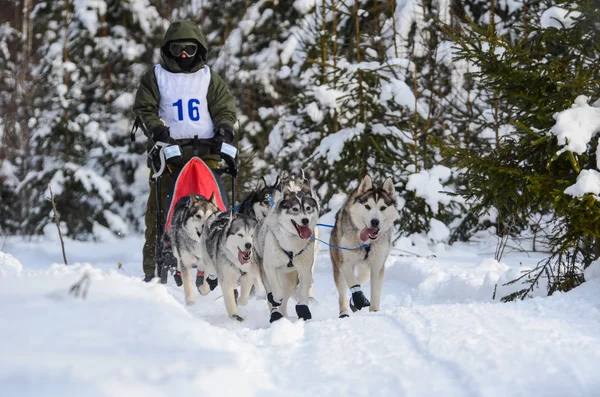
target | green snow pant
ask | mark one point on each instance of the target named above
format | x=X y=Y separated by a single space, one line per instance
x=149 y=249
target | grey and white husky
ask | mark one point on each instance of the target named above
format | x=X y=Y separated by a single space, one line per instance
x=366 y=218
x=227 y=251
x=299 y=183
x=284 y=249
x=187 y=225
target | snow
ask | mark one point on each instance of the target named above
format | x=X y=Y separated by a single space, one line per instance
x=557 y=17
x=87 y=11
x=427 y=184
x=575 y=127
x=593 y=271
x=9 y=265
x=588 y=181
x=439 y=331
x=124 y=101
x=327 y=96
x=332 y=145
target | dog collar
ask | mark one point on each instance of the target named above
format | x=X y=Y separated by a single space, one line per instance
x=291 y=256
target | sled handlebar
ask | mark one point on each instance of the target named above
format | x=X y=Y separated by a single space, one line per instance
x=228 y=153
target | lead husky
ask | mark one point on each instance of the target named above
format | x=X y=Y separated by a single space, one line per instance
x=284 y=250
x=226 y=247
x=189 y=217
x=366 y=218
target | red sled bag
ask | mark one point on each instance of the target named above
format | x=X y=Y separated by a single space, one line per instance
x=197 y=178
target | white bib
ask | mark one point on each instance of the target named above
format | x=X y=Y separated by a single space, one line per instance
x=183 y=104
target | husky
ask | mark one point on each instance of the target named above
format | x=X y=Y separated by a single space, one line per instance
x=299 y=183
x=284 y=249
x=187 y=225
x=226 y=246
x=260 y=200
x=365 y=219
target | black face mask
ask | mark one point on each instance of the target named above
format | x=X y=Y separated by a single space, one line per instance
x=185 y=64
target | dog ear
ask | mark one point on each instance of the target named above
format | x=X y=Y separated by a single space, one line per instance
x=388 y=187
x=261 y=184
x=277 y=184
x=194 y=198
x=213 y=199
x=365 y=185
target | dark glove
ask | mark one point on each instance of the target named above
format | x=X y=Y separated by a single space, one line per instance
x=161 y=134
x=223 y=133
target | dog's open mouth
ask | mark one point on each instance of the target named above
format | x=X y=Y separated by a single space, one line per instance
x=369 y=233
x=303 y=231
x=244 y=256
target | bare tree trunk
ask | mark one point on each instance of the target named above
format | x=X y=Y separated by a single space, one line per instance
x=334 y=50
x=361 y=99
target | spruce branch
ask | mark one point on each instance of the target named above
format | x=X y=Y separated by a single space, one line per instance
x=57 y=221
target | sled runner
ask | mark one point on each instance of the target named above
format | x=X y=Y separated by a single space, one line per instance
x=196 y=177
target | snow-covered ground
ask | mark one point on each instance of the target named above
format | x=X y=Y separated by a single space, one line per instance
x=439 y=332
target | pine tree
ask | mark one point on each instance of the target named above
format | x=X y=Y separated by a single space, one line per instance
x=537 y=71
x=87 y=61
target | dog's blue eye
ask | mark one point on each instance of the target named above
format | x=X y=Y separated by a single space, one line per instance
x=383 y=207
x=367 y=206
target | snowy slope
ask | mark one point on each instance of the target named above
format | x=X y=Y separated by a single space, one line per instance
x=439 y=333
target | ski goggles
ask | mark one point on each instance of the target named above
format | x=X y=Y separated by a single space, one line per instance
x=189 y=49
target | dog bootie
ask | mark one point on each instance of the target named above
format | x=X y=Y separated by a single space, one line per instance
x=199 y=279
x=275 y=315
x=303 y=311
x=212 y=282
x=178 y=280
x=344 y=314
x=358 y=300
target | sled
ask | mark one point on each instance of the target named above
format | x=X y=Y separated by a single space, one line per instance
x=196 y=177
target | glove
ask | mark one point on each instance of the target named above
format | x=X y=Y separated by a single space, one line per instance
x=223 y=133
x=161 y=134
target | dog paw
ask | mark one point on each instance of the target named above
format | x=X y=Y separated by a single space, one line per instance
x=212 y=282
x=190 y=303
x=177 y=278
x=275 y=315
x=344 y=314
x=236 y=317
x=303 y=312
x=313 y=302
x=358 y=301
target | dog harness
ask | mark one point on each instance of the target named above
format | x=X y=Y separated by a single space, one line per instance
x=183 y=104
x=291 y=255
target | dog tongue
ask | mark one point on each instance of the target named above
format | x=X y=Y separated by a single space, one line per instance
x=366 y=232
x=241 y=257
x=304 y=231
